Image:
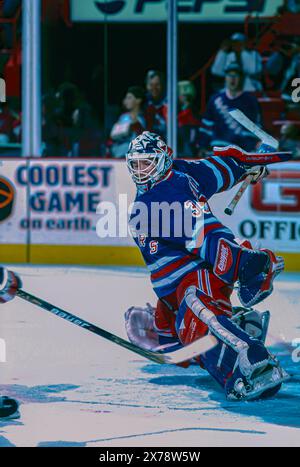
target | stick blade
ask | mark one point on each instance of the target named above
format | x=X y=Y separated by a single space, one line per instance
x=190 y=351
x=243 y=120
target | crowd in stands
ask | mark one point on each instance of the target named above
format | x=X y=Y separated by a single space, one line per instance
x=130 y=124
x=241 y=76
x=235 y=50
x=10 y=124
x=8 y=9
x=10 y=115
x=218 y=128
x=290 y=6
x=71 y=130
x=146 y=109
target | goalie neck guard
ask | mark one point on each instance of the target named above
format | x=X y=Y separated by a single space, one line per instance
x=148 y=160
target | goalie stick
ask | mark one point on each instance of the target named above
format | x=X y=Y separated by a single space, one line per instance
x=198 y=347
x=241 y=118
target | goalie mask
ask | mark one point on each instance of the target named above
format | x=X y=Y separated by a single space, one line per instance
x=148 y=160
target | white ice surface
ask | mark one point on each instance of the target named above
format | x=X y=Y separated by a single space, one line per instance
x=77 y=389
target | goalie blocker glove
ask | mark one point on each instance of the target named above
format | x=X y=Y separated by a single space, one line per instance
x=9 y=285
x=255 y=270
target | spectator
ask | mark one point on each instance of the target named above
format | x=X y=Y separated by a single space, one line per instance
x=52 y=129
x=292 y=72
x=14 y=105
x=290 y=139
x=290 y=6
x=156 y=105
x=7 y=122
x=130 y=124
x=293 y=6
x=69 y=128
x=218 y=67
x=188 y=119
x=218 y=128
x=60 y=128
x=279 y=61
x=87 y=140
x=249 y=60
x=68 y=100
x=10 y=8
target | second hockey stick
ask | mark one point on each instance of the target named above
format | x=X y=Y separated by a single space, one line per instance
x=198 y=347
x=232 y=205
x=241 y=118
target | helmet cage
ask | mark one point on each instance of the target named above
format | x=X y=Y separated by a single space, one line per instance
x=144 y=168
x=148 y=160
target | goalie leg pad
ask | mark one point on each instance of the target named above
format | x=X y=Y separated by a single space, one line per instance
x=164 y=317
x=265 y=380
x=188 y=326
x=253 y=322
x=239 y=363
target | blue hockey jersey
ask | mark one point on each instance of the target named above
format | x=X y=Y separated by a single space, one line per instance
x=172 y=223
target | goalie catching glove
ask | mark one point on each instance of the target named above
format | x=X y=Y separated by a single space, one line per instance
x=9 y=285
x=142 y=331
x=139 y=324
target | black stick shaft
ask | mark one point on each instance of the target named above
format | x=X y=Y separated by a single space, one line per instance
x=86 y=325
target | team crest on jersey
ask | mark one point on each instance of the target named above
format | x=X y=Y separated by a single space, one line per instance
x=195 y=208
x=142 y=240
x=153 y=247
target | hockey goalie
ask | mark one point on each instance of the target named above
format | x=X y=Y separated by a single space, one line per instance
x=193 y=277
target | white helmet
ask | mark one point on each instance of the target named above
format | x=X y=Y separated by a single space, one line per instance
x=148 y=160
